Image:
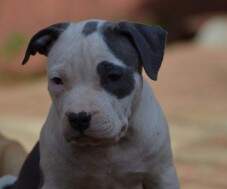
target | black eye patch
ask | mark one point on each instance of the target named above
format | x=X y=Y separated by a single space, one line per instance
x=116 y=80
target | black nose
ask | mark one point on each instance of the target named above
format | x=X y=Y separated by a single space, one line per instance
x=79 y=121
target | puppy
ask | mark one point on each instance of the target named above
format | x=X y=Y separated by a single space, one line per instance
x=105 y=128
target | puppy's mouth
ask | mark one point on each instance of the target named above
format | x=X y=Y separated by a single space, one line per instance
x=84 y=140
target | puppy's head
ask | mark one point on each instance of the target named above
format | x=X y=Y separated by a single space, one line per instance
x=94 y=74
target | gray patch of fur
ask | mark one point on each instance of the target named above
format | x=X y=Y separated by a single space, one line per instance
x=121 y=46
x=89 y=28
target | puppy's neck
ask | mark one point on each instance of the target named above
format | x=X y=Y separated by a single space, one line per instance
x=148 y=120
x=147 y=109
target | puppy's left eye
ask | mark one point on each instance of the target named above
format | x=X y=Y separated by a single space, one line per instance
x=57 y=80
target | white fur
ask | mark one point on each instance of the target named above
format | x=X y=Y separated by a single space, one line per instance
x=132 y=159
x=6 y=181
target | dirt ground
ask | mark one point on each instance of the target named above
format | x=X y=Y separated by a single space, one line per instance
x=192 y=89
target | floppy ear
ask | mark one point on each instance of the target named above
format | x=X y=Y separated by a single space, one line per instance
x=42 y=41
x=149 y=42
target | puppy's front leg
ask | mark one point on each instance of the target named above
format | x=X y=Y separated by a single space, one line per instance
x=46 y=186
x=49 y=185
x=166 y=180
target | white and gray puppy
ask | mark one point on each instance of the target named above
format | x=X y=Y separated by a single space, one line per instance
x=105 y=129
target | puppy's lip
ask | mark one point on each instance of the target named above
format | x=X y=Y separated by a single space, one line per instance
x=83 y=140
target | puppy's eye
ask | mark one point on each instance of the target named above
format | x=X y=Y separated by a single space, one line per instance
x=115 y=75
x=57 y=81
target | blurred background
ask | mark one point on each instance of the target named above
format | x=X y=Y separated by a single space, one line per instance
x=192 y=83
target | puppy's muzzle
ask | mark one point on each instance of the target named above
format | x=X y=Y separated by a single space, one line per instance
x=79 y=121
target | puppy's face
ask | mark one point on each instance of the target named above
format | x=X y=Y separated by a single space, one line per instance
x=92 y=90
x=94 y=79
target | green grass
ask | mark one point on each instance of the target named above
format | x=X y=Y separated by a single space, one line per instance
x=12 y=45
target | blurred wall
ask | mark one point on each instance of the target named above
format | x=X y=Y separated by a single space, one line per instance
x=19 y=20
x=28 y=16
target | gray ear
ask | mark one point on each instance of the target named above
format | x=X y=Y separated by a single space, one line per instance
x=42 y=41
x=149 y=42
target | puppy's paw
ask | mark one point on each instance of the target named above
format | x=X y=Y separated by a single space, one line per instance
x=7 y=181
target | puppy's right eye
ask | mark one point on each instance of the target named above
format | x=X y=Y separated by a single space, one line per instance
x=57 y=80
x=115 y=75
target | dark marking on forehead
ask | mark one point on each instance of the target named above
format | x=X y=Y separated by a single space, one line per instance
x=89 y=28
x=121 y=46
x=116 y=80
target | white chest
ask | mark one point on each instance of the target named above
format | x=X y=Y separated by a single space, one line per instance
x=96 y=170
